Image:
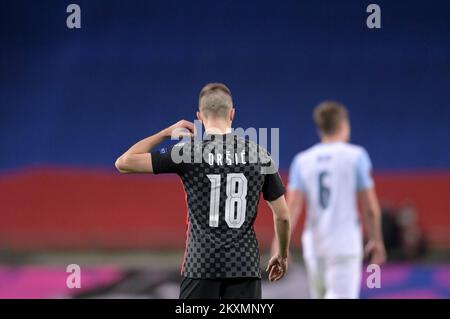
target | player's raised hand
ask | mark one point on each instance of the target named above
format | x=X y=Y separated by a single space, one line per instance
x=277 y=267
x=180 y=129
x=376 y=251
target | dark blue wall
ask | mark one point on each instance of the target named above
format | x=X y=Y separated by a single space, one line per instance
x=80 y=97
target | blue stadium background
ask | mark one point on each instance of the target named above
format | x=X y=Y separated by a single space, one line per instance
x=79 y=97
x=71 y=101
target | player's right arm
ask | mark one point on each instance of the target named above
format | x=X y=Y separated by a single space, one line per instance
x=375 y=245
x=369 y=199
x=295 y=200
x=138 y=159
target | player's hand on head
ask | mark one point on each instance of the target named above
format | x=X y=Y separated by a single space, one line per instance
x=277 y=267
x=180 y=129
x=376 y=251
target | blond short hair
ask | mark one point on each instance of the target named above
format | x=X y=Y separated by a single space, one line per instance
x=329 y=115
x=215 y=100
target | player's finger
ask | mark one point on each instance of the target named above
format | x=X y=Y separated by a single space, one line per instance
x=276 y=277
x=368 y=249
x=188 y=125
x=279 y=274
x=378 y=258
x=270 y=264
x=185 y=134
x=272 y=274
x=374 y=259
x=282 y=273
x=270 y=267
x=181 y=132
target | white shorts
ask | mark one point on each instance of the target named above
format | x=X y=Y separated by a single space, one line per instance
x=334 y=277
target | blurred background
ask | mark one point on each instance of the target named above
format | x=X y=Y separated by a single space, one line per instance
x=72 y=100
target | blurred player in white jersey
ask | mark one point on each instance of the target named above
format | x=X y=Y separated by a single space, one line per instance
x=330 y=177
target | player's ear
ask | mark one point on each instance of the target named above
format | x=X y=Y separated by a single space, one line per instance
x=232 y=113
x=199 y=116
x=348 y=130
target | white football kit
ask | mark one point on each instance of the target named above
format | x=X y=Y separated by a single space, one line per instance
x=330 y=175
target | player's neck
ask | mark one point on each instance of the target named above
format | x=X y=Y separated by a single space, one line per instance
x=329 y=139
x=217 y=127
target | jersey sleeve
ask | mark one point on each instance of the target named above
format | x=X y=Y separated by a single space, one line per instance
x=364 y=178
x=273 y=187
x=295 y=178
x=163 y=161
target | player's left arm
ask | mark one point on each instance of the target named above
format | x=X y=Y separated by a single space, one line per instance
x=368 y=197
x=273 y=191
x=278 y=264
